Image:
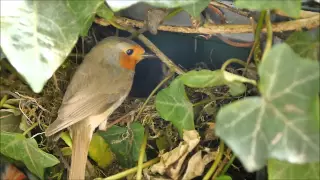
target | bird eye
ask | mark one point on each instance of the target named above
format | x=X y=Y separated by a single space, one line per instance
x=129 y=52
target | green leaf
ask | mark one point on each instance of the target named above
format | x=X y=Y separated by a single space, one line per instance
x=17 y=147
x=173 y=105
x=9 y=122
x=104 y=12
x=290 y=7
x=224 y=177
x=100 y=152
x=278 y=170
x=196 y=7
x=84 y=11
x=118 y=5
x=206 y=78
x=305 y=45
x=279 y=124
x=124 y=142
x=36 y=37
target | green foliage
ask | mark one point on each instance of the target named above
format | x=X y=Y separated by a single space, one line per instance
x=17 y=147
x=100 y=151
x=278 y=124
x=37 y=36
x=173 y=105
x=206 y=78
x=9 y=121
x=305 y=45
x=284 y=170
x=290 y=7
x=125 y=142
x=224 y=177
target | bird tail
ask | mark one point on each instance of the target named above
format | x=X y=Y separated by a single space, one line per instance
x=81 y=137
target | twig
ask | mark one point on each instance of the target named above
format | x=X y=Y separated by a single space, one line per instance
x=130 y=171
x=119 y=119
x=160 y=54
x=308 y=23
x=216 y=162
x=152 y=93
x=141 y=154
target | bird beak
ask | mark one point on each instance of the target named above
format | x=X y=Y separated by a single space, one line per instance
x=148 y=55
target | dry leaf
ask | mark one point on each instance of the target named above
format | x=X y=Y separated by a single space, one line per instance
x=172 y=161
x=197 y=163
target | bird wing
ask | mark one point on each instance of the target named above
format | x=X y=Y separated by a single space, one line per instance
x=90 y=93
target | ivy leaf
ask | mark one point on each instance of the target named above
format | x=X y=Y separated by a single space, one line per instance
x=279 y=124
x=124 y=142
x=84 y=12
x=206 y=78
x=196 y=7
x=36 y=37
x=305 y=45
x=284 y=170
x=290 y=7
x=9 y=122
x=104 y=12
x=224 y=177
x=118 y=5
x=100 y=151
x=173 y=105
x=17 y=147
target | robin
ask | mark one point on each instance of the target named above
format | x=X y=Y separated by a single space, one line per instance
x=98 y=87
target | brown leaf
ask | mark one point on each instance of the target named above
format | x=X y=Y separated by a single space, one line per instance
x=197 y=163
x=172 y=161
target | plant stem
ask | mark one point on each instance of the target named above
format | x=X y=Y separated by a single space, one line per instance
x=3 y=100
x=256 y=44
x=9 y=106
x=233 y=60
x=225 y=169
x=270 y=34
x=131 y=171
x=216 y=162
x=152 y=93
x=30 y=128
x=141 y=155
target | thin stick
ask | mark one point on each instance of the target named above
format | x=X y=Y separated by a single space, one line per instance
x=308 y=23
x=152 y=93
x=130 y=171
x=141 y=154
x=216 y=162
x=160 y=54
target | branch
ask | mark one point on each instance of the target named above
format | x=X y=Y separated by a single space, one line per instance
x=308 y=23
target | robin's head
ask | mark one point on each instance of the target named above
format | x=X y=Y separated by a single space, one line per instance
x=122 y=52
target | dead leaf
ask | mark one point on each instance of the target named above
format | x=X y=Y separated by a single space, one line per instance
x=197 y=163
x=172 y=161
x=209 y=134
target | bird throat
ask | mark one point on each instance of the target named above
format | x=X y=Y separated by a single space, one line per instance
x=127 y=62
